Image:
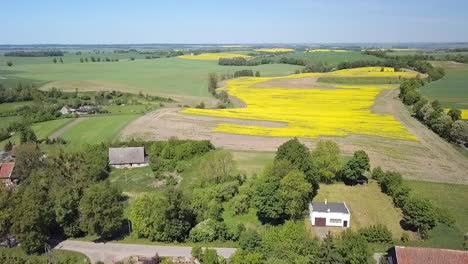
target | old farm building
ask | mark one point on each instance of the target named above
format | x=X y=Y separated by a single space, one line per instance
x=329 y=214
x=415 y=255
x=128 y=157
x=6 y=172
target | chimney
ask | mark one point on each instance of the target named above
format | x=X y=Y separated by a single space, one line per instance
x=328 y=210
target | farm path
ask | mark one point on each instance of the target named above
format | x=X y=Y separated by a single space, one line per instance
x=112 y=252
x=67 y=127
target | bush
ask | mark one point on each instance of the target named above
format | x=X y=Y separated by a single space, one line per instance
x=249 y=240
x=243 y=73
x=209 y=231
x=376 y=234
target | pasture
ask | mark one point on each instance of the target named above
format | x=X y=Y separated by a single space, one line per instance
x=310 y=113
x=367 y=204
x=154 y=76
x=452 y=90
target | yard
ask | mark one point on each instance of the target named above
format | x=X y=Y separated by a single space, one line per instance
x=367 y=204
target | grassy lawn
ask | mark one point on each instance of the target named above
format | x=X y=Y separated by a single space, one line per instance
x=133 y=181
x=454 y=198
x=251 y=161
x=6 y=121
x=155 y=76
x=368 y=205
x=97 y=129
x=452 y=90
x=360 y=80
x=9 y=107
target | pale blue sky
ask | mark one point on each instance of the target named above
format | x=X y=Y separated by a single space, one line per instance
x=234 y=21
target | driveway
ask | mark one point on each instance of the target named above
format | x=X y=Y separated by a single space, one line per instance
x=111 y=252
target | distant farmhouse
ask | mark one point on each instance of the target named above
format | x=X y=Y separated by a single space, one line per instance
x=6 y=173
x=82 y=110
x=127 y=157
x=65 y=110
x=329 y=214
x=414 y=255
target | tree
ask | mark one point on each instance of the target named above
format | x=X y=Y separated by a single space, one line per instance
x=218 y=166
x=54 y=60
x=101 y=210
x=295 y=192
x=327 y=161
x=442 y=125
x=328 y=252
x=27 y=135
x=33 y=215
x=356 y=167
x=6 y=210
x=298 y=155
x=28 y=159
x=459 y=131
x=61 y=60
x=212 y=83
x=354 y=248
x=81 y=60
x=257 y=74
x=420 y=214
x=8 y=146
x=250 y=240
x=455 y=114
x=9 y=63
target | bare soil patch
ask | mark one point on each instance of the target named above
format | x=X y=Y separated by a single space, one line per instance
x=431 y=158
x=307 y=82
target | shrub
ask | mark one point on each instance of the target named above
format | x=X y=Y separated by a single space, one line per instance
x=404 y=238
x=209 y=231
x=249 y=240
x=376 y=234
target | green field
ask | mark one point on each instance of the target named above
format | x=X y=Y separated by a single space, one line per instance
x=166 y=76
x=133 y=181
x=452 y=197
x=452 y=90
x=97 y=129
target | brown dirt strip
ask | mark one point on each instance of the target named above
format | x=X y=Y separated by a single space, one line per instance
x=67 y=127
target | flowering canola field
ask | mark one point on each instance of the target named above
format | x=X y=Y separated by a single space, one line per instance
x=273 y=50
x=213 y=56
x=311 y=112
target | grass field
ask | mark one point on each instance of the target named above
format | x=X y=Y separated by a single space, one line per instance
x=214 y=56
x=133 y=181
x=452 y=90
x=155 y=76
x=368 y=205
x=95 y=130
x=251 y=161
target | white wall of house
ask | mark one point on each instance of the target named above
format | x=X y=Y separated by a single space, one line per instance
x=332 y=218
x=135 y=165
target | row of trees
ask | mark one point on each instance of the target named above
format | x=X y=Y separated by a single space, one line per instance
x=97 y=59
x=446 y=124
x=418 y=214
x=38 y=53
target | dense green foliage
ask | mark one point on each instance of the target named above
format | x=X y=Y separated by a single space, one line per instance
x=356 y=168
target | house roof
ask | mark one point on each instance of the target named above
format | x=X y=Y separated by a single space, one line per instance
x=415 y=255
x=334 y=207
x=6 y=169
x=128 y=155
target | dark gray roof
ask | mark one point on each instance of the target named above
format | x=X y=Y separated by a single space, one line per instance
x=129 y=155
x=334 y=207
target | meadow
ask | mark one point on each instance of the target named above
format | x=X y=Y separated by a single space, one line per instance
x=275 y=50
x=97 y=129
x=452 y=90
x=213 y=56
x=311 y=113
x=152 y=76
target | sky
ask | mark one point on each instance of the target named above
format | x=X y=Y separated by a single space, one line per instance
x=234 y=21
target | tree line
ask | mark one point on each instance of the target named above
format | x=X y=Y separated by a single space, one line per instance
x=448 y=125
x=38 y=53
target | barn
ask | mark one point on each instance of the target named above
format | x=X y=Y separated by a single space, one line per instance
x=6 y=172
x=127 y=157
x=416 y=255
x=329 y=214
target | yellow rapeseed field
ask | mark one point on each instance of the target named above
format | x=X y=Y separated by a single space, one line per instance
x=327 y=50
x=311 y=112
x=272 y=50
x=213 y=56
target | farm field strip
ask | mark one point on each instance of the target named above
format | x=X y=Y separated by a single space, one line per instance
x=314 y=112
x=327 y=50
x=274 y=50
x=214 y=56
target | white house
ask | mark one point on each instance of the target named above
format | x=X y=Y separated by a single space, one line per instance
x=329 y=214
x=65 y=110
